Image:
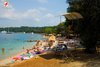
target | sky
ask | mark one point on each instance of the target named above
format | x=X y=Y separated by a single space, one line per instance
x=33 y=13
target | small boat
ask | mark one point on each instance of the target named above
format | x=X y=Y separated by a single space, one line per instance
x=9 y=33
x=24 y=32
x=4 y=32
x=32 y=33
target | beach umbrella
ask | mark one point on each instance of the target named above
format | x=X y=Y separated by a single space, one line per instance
x=73 y=15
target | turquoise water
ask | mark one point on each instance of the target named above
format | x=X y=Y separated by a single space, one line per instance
x=14 y=43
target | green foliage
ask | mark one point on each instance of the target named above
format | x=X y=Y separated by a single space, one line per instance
x=89 y=27
x=24 y=29
x=61 y=29
x=49 y=30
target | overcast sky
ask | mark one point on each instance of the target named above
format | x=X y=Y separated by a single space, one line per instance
x=31 y=12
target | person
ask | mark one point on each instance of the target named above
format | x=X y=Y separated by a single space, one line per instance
x=27 y=50
x=23 y=48
x=3 y=50
x=51 y=39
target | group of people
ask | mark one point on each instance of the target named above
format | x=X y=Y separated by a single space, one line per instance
x=29 y=53
x=40 y=47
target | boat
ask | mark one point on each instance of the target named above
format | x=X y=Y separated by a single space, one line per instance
x=32 y=33
x=24 y=32
x=9 y=33
x=4 y=32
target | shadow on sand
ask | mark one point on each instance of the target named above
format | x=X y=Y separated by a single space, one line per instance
x=90 y=60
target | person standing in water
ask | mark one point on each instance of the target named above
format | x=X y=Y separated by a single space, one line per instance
x=3 y=50
x=23 y=48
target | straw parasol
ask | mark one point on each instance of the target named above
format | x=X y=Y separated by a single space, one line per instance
x=73 y=15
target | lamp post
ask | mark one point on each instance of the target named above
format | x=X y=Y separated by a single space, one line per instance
x=60 y=18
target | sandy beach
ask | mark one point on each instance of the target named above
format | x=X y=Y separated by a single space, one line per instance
x=42 y=60
x=9 y=60
x=46 y=60
x=52 y=60
x=49 y=59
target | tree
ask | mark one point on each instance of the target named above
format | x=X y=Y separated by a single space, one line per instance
x=91 y=13
x=50 y=30
x=61 y=29
x=89 y=27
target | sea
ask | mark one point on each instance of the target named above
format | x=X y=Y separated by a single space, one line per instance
x=16 y=42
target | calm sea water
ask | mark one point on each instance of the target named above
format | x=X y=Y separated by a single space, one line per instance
x=14 y=43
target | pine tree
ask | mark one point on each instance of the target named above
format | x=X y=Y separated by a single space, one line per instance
x=89 y=27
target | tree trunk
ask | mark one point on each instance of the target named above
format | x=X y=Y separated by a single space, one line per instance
x=90 y=44
x=90 y=50
x=89 y=40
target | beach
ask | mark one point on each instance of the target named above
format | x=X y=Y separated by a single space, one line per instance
x=9 y=60
x=40 y=43
x=49 y=58
x=39 y=46
x=16 y=44
x=46 y=60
